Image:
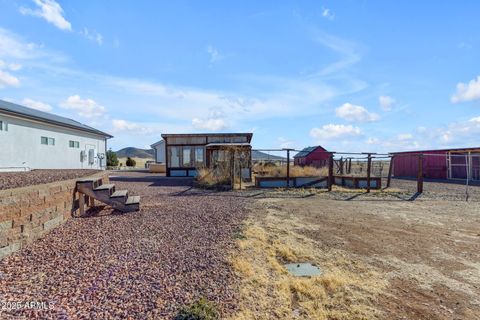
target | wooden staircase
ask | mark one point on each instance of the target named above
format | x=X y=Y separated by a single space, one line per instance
x=93 y=189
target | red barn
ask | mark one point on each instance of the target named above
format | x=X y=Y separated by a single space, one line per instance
x=312 y=156
x=439 y=164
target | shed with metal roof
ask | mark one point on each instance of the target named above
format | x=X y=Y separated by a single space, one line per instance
x=315 y=156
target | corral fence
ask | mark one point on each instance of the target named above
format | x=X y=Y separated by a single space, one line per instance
x=443 y=175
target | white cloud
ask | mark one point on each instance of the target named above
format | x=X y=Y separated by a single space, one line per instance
x=328 y=14
x=49 y=10
x=38 y=105
x=13 y=47
x=335 y=131
x=86 y=108
x=10 y=66
x=214 y=54
x=347 y=50
x=286 y=143
x=372 y=141
x=467 y=91
x=351 y=112
x=8 y=80
x=120 y=125
x=461 y=133
x=386 y=102
x=405 y=136
x=209 y=124
x=92 y=35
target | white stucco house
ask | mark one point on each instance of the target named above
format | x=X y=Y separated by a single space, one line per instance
x=159 y=148
x=32 y=139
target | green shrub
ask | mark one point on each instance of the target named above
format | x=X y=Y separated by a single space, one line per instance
x=112 y=160
x=200 y=310
x=130 y=162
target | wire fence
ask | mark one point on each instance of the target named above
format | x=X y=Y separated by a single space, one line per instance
x=443 y=175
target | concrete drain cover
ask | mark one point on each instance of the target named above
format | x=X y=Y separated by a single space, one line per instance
x=303 y=269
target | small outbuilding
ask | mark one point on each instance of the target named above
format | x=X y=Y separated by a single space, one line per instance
x=185 y=153
x=442 y=164
x=315 y=156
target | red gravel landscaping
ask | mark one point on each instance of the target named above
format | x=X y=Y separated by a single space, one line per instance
x=9 y=180
x=139 y=265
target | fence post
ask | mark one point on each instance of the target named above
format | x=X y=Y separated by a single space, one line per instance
x=330 y=172
x=390 y=170
x=288 y=168
x=420 y=174
x=369 y=168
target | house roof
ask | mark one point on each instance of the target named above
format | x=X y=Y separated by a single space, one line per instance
x=13 y=109
x=157 y=143
x=306 y=151
x=453 y=150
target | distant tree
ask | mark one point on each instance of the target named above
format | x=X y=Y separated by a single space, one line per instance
x=130 y=162
x=112 y=160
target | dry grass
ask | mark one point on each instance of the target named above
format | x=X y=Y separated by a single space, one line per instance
x=295 y=171
x=345 y=289
x=207 y=177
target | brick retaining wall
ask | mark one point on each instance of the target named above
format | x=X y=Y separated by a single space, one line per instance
x=28 y=213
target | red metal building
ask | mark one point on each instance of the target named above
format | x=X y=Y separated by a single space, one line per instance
x=438 y=164
x=312 y=156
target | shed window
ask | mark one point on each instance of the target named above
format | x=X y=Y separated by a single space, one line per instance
x=187 y=161
x=74 y=144
x=174 y=157
x=198 y=156
x=47 y=141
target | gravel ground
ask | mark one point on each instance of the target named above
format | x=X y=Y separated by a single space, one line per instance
x=138 y=265
x=9 y=180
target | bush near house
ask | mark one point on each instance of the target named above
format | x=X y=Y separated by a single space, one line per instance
x=112 y=160
x=130 y=162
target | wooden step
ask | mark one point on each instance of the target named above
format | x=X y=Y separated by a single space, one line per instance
x=132 y=200
x=119 y=194
x=104 y=187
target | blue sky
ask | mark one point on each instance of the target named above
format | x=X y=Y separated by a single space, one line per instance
x=349 y=75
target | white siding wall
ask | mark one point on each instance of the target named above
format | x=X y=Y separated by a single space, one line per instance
x=20 y=146
x=160 y=148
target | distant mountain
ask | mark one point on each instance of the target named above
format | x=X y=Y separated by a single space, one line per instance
x=259 y=156
x=135 y=153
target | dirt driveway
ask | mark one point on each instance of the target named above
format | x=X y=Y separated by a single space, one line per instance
x=418 y=259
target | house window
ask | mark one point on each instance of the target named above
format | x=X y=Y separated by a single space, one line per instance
x=47 y=141
x=3 y=126
x=74 y=144
x=198 y=157
x=187 y=160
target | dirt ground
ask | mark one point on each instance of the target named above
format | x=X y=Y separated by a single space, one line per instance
x=391 y=258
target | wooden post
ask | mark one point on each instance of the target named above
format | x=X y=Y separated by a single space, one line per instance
x=232 y=169
x=369 y=167
x=341 y=166
x=390 y=170
x=420 y=174
x=288 y=168
x=330 y=172
x=81 y=203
